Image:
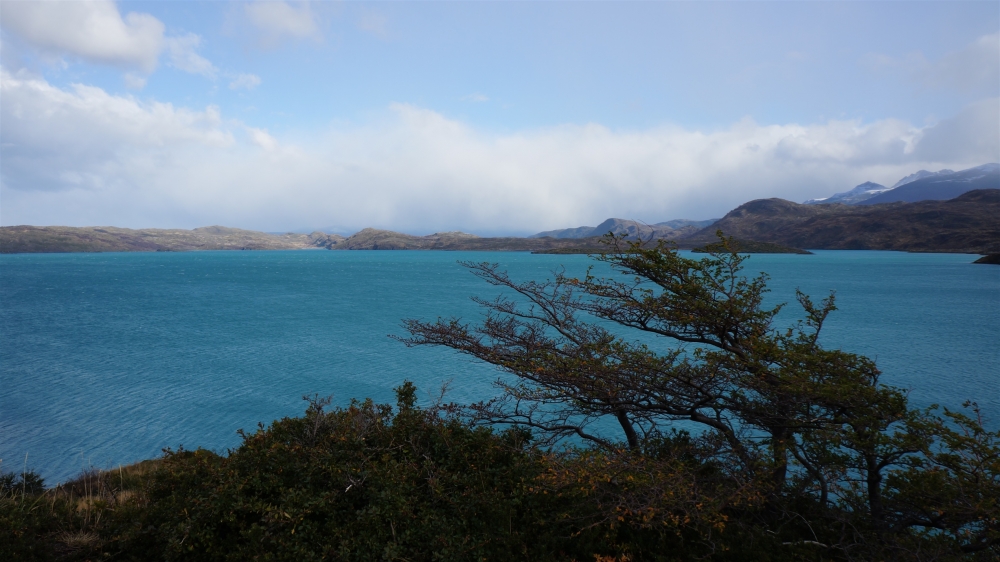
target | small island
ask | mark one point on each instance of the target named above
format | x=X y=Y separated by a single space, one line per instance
x=752 y=247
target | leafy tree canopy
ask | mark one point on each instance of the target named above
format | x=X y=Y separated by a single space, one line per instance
x=806 y=439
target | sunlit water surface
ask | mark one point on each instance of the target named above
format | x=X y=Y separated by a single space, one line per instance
x=108 y=358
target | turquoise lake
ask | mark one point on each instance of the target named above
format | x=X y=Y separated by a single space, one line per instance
x=108 y=358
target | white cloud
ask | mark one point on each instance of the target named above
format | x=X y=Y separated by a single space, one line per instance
x=277 y=20
x=245 y=82
x=477 y=97
x=92 y=30
x=976 y=127
x=973 y=69
x=95 y=31
x=53 y=138
x=182 y=56
x=262 y=138
x=82 y=156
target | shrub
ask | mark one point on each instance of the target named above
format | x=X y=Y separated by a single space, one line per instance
x=358 y=483
x=26 y=482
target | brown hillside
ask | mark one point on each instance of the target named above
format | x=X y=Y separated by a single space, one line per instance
x=967 y=223
x=47 y=239
x=374 y=239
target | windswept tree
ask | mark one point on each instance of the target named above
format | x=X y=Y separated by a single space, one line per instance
x=784 y=426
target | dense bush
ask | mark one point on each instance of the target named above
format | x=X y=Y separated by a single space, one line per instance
x=24 y=482
x=359 y=483
x=22 y=517
x=369 y=482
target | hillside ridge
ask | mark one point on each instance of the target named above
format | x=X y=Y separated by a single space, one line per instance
x=966 y=223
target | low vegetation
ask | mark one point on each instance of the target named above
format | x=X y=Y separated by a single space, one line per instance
x=49 y=239
x=796 y=452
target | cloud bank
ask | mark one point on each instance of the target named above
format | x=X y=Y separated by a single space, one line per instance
x=92 y=30
x=96 y=32
x=80 y=156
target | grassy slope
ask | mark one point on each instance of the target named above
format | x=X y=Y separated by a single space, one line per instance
x=34 y=239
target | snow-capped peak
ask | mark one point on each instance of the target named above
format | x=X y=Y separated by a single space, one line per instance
x=859 y=193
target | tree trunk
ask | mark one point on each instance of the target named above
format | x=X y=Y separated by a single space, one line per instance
x=874 y=482
x=779 y=451
x=630 y=434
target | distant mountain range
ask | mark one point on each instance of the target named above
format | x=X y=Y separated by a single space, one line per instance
x=941 y=186
x=967 y=223
x=919 y=186
x=677 y=228
x=942 y=211
x=860 y=193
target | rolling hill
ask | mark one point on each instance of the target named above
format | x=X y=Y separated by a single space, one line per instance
x=967 y=223
x=48 y=239
x=669 y=229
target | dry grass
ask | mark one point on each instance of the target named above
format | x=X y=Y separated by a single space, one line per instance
x=95 y=491
x=79 y=540
x=69 y=521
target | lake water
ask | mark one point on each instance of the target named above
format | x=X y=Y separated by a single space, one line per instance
x=108 y=358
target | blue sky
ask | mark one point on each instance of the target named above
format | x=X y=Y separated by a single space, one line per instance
x=489 y=117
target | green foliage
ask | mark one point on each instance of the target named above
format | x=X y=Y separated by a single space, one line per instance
x=22 y=517
x=25 y=482
x=71 y=521
x=797 y=442
x=364 y=482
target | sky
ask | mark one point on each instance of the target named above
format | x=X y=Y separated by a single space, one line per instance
x=486 y=117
